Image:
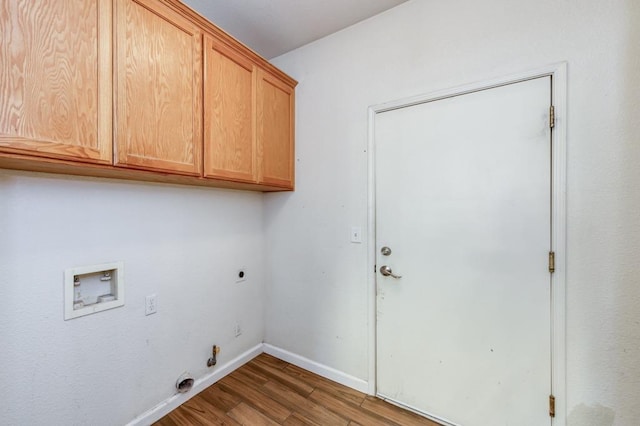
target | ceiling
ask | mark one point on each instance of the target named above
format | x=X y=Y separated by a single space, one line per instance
x=273 y=27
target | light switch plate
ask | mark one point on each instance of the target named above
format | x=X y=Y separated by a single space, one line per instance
x=356 y=234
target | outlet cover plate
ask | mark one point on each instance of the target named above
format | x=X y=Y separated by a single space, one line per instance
x=150 y=304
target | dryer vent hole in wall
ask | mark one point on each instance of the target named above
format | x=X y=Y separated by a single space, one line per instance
x=184 y=383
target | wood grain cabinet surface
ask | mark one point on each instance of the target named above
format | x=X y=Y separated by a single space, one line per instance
x=275 y=130
x=249 y=119
x=55 y=79
x=158 y=78
x=229 y=113
x=140 y=89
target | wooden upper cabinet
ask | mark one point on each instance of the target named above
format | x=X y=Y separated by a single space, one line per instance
x=158 y=75
x=55 y=79
x=140 y=89
x=275 y=130
x=229 y=125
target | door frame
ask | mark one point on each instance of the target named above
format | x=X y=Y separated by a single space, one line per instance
x=558 y=74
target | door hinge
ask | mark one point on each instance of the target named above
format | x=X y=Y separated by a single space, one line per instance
x=552 y=117
x=552 y=406
x=552 y=262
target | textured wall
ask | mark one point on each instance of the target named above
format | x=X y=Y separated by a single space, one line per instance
x=182 y=243
x=317 y=287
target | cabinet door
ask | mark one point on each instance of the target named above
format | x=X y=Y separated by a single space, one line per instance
x=229 y=135
x=275 y=130
x=158 y=88
x=55 y=79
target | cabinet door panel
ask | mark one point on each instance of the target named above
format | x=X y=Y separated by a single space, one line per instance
x=275 y=131
x=55 y=79
x=159 y=88
x=229 y=147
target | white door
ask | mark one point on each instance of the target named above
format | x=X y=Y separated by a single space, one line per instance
x=463 y=203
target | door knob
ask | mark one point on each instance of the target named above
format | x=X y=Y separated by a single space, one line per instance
x=386 y=271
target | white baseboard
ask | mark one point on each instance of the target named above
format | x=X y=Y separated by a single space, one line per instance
x=174 y=401
x=320 y=369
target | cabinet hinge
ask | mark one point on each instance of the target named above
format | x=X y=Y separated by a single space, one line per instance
x=552 y=117
x=552 y=406
x=552 y=262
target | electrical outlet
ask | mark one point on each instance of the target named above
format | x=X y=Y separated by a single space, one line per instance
x=150 y=305
x=238 y=329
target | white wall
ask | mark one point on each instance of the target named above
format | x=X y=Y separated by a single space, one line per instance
x=317 y=286
x=182 y=243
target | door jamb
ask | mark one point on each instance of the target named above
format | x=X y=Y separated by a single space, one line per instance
x=558 y=74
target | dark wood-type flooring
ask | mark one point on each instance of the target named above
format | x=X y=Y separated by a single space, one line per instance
x=269 y=391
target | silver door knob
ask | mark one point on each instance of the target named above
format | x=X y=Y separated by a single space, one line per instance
x=387 y=272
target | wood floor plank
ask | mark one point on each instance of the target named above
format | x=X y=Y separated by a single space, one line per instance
x=307 y=409
x=187 y=416
x=271 y=361
x=345 y=409
x=393 y=413
x=255 y=398
x=282 y=376
x=254 y=377
x=205 y=413
x=218 y=397
x=267 y=391
x=296 y=419
x=316 y=381
x=246 y=415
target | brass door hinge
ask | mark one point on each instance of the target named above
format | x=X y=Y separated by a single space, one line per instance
x=552 y=117
x=552 y=406
x=552 y=262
